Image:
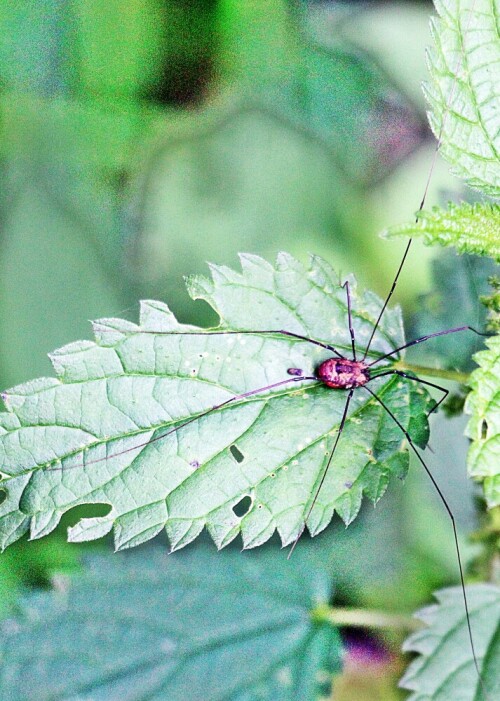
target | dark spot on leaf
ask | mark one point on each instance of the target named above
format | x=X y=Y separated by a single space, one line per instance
x=484 y=430
x=3 y=496
x=194 y=463
x=273 y=474
x=242 y=507
x=294 y=371
x=348 y=485
x=237 y=454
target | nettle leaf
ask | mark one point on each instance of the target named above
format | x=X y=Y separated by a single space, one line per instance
x=150 y=626
x=461 y=278
x=97 y=433
x=444 y=669
x=470 y=228
x=464 y=91
x=483 y=404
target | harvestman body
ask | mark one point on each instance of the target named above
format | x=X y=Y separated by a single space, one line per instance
x=342 y=373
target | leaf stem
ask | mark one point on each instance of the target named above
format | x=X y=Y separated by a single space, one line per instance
x=364 y=618
x=454 y=375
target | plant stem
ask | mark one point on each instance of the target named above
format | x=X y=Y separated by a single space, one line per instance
x=364 y=618
x=454 y=375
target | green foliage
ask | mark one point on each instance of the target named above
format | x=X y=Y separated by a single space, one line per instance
x=458 y=281
x=464 y=90
x=470 y=228
x=283 y=109
x=463 y=95
x=464 y=100
x=148 y=626
x=105 y=431
x=483 y=404
x=445 y=667
x=492 y=303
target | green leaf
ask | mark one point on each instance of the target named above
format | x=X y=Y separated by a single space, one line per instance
x=98 y=433
x=445 y=670
x=457 y=282
x=492 y=303
x=198 y=625
x=470 y=228
x=464 y=92
x=483 y=404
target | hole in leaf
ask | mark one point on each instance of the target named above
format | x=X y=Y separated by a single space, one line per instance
x=237 y=454
x=242 y=507
x=484 y=430
x=3 y=496
x=75 y=514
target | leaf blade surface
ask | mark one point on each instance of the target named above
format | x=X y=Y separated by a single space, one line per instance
x=483 y=405
x=444 y=669
x=128 y=420
x=464 y=93
x=470 y=228
x=152 y=626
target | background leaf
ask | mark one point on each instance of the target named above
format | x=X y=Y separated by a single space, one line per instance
x=464 y=91
x=196 y=625
x=483 y=404
x=105 y=418
x=445 y=667
x=457 y=283
x=470 y=228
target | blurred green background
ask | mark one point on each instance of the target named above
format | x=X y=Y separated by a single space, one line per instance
x=141 y=138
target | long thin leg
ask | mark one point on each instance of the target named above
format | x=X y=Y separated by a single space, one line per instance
x=415 y=379
x=237 y=397
x=452 y=518
x=349 y=314
x=323 y=476
x=391 y=291
x=425 y=338
x=281 y=332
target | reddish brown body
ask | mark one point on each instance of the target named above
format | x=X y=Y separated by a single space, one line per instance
x=341 y=373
